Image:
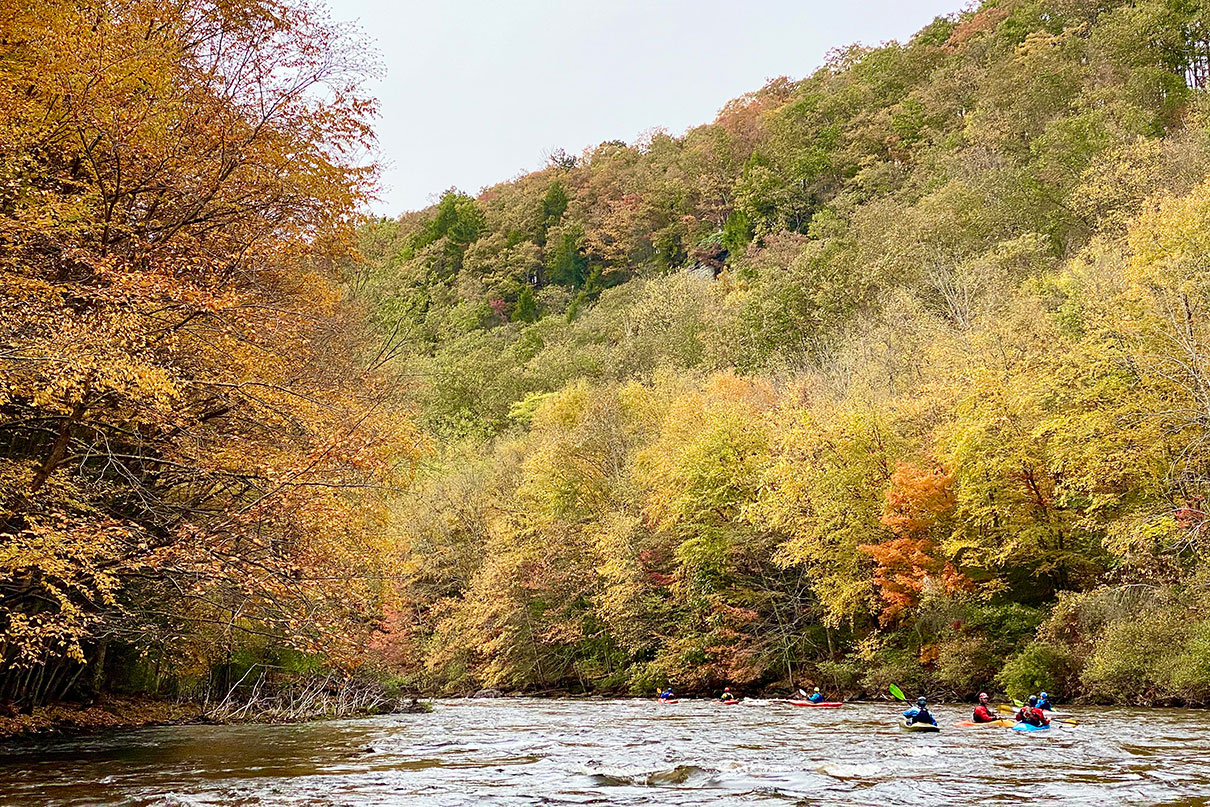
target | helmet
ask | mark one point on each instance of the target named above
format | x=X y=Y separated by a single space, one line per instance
x=726 y=689
x=1044 y=696
x=922 y=701
x=982 y=696
x=1033 y=700
x=816 y=689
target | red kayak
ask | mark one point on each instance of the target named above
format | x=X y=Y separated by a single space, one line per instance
x=727 y=703
x=821 y=704
x=667 y=700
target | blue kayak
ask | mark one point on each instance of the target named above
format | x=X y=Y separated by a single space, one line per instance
x=1030 y=727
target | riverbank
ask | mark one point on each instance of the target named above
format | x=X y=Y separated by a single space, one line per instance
x=107 y=713
x=114 y=712
x=863 y=696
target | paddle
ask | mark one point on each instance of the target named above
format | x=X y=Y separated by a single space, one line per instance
x=898 y=693
x=1009 y=710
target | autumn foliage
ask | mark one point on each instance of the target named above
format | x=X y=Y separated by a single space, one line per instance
x=189 y=449
x=893 y=373
x=917 y=502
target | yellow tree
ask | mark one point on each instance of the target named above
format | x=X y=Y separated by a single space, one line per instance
x=184 y=440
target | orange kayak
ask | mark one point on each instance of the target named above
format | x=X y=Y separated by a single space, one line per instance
x=1007 y=724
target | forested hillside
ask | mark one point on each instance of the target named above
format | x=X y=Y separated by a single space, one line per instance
x=896 y=373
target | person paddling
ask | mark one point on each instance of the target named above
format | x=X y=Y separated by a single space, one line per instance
x=1044 y=703
x=667 y=695
x=726 y=697
x=920 y=713
x=1031 y=714
x=816 y=696
x=983 y=713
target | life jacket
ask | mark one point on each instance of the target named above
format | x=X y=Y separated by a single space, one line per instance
x=1032 y=716
x=815 y=697
x=983 y=714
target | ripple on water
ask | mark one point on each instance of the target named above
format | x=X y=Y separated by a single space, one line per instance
x=858 y=770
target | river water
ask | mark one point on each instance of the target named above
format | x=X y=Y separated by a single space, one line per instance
x=550 y=752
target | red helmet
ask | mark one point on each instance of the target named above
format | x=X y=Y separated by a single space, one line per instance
x=726 y=689
x=982 y=696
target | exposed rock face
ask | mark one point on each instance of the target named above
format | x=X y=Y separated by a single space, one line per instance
x=488 y=693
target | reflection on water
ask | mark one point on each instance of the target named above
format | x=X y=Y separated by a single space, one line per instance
x=523 y=752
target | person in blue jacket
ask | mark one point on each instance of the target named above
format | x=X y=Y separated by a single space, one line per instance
x=667 y=695
x=1044 y=703
x=816 y=696
x=920 y=713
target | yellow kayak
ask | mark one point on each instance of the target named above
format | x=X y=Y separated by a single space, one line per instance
x=1005 y=724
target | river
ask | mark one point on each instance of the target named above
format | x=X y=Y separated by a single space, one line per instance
x=531 y=752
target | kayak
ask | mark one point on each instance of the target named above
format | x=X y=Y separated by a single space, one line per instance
x=821 y=704
x=727 y=703
x=906 y=726
x=1006 y=724
x=1012 y=710
x=1030 y=727
x=667 y=700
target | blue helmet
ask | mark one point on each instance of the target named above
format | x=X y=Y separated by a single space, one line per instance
x=1044 y=696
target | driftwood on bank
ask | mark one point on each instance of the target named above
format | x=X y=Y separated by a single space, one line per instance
x=306 y=699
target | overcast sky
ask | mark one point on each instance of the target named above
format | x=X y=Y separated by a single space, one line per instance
x=478 y=91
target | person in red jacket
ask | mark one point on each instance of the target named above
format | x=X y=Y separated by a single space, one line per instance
x=1031 y=714
x=983 y=714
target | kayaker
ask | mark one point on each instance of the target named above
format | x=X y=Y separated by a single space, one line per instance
x=667 y=695
x=1031 y=714
x=920 y=713
x=816 y=696
x=983 y=714
x=726 y=696
x=1044 y=703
